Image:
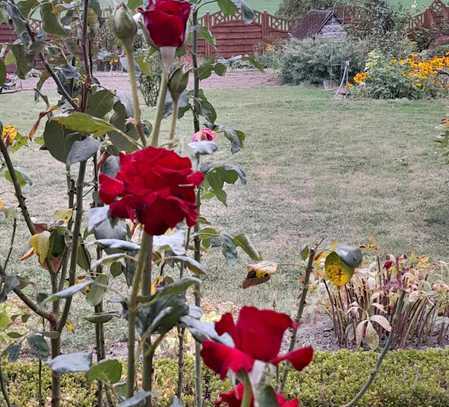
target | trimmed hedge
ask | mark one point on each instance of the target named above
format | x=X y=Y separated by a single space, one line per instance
x=408 y=378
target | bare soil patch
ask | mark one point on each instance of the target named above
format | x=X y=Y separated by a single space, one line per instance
x=234 y=79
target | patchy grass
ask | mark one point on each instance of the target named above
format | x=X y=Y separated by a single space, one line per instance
x=317 y=167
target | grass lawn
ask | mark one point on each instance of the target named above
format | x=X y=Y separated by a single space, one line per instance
x=317 y=168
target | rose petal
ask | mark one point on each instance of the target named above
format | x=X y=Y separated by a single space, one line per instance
x=226 y=325
x=299 y=358
x=259 y=332
x=220 y=358
x=110 y=188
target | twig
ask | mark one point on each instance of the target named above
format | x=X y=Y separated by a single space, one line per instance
x=3 y=387
x=301 y=306
x=11 y=245
x=380 y=358
x=17 y=187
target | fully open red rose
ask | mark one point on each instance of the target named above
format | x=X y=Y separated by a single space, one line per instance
x=257 y=335
x=156 y=187
x=233 y=398
x=166 y=21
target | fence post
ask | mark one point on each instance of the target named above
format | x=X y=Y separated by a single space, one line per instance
x=265 y=26
x=207 y=46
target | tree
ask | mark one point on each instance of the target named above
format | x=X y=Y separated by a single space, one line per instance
x=299 y=8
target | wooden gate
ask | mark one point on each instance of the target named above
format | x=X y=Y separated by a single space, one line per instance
x=235 y=37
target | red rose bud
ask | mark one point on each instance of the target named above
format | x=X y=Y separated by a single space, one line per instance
x=124 y=25
x=166 y=22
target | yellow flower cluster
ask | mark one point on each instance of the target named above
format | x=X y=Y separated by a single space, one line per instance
x=425 y=68
x=416 y=68
x=360 y=78
x=9 y=134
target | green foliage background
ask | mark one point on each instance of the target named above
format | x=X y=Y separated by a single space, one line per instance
x=409 y=378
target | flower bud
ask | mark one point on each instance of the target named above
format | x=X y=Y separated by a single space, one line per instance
x=124 y=25
x=177 y=83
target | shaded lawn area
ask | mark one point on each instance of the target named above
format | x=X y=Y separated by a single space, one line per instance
x=317 y=168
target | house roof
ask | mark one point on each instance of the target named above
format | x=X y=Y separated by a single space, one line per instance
x=312 y=23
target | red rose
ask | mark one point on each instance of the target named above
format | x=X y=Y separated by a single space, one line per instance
x=265 y=325
x=166 y=21
x=156 y=187
x=233 y=398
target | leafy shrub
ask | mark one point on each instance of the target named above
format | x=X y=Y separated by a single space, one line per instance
x=408 y=378
x=313 y=61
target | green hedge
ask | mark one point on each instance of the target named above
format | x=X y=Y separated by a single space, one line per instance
x=409 y=378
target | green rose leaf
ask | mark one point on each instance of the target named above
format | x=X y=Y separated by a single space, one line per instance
x=109 y=371
x=71 y=362
x=82 y=150
x=50 y=22
x=68 y=292
x=38 y=346
x=228 y=7
x=97 y=290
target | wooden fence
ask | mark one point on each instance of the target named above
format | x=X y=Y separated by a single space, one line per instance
x=235 y=37
x=433 y=17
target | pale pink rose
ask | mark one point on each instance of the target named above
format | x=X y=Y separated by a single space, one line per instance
x=204 y=135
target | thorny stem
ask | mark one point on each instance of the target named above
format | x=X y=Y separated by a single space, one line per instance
x=181 y=333
x=17 y=187
x=132 y=311
x=160 y=110
x=197 y=242
x=381 y=356
x=3 y=387
x=11 y=244
x=135 y=96
x=23 y=208
x=147 y=380
x=301 y=306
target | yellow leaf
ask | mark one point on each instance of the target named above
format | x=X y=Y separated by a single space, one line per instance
x=259 y=273
x=41 y=244
x=2 y=204
x=159 y=282
x=70 y=326
x=337 y=272
x=64 y=215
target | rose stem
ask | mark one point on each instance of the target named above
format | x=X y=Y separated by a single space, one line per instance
x=301 y=306
x=135 y=96
x=147 y=354
x=171 y=139
x=197 y=242
x=132 y=311
x=160 y=110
